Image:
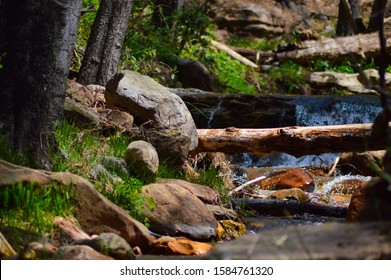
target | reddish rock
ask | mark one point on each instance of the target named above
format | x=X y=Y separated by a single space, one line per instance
x=367 y=163
x=371 y=202
x=179 y=246
x=295 y=194
x=291 y=178
x=79 y=93
x=94 y=212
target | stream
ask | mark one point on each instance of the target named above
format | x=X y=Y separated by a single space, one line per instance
x=308 y=112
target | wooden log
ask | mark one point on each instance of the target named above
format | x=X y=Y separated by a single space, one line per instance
x=297 y=141
x=289 y=207
x=334 y=49
x=234 y=54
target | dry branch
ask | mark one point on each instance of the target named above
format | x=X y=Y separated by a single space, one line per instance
x=297 y=141
x=234 y=54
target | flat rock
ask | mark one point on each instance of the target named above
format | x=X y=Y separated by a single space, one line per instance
x=177 y=212
x=327 y=241
x=204 y=193
x=94 y=212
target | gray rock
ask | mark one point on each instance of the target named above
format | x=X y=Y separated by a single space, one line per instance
x=82 y=115
x=79 y=252
x=177 y=212
x=114 y=164
x=110 y=244
x=327 y=241
x=142 y=158
x=148 y=102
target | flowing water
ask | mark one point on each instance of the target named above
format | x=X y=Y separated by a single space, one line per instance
x=308 y=114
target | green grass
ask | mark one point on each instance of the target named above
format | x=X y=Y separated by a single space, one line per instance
x=82 y=150
x=254 y=43
x=33 y=208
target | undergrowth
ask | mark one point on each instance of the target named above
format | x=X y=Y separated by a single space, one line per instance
x=33 y=208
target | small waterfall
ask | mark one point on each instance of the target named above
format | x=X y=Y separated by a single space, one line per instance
x=313 y=113
x=213 y=112
x=338 y=113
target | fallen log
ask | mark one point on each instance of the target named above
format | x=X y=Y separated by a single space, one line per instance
x=335 y=49
x=289 y=207
x=296 y=141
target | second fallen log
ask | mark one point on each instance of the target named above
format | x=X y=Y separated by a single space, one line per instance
x=296 y=141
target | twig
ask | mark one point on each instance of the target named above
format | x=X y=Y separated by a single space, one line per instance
x=246 y=184
x=333 y=167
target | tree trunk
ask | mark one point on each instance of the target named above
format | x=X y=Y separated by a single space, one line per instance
x=349 y=18
x=336 y=49
x=378 y=11
x=36 y=40
x=296 y=141
x=104 y=46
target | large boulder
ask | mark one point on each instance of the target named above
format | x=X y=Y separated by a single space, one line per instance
x=371 y=202
x=177 y=212
x=94 y=212
x=149 y=102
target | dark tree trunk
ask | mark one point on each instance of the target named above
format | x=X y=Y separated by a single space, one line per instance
x=36 y=40
x=349 y=18
x=378 y=10
x=104 y=46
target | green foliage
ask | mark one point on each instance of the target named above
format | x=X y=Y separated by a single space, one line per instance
x=344 y=66
x=254 y=43
x=210 y=177
x=83 y=32
x=33 y=207
x=149 y=47
x=289 y=76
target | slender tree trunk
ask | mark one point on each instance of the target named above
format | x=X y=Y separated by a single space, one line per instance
x=378 y=10
x=101 y=58
x=349 y=18
x=36 y=42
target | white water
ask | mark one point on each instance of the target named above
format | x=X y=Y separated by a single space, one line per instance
x=212 y=114
x=310 y=115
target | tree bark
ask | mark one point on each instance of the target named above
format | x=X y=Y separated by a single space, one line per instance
x=36 y=40
x=335 y=49
x=104 y=46
x=378 y=10
x=296 y=141
x=349 y=18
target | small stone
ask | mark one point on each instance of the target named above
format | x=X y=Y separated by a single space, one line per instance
x=110 y=244
x=142 y=158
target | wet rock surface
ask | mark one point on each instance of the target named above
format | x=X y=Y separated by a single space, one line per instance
x=289 y=179
x=327 y=241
